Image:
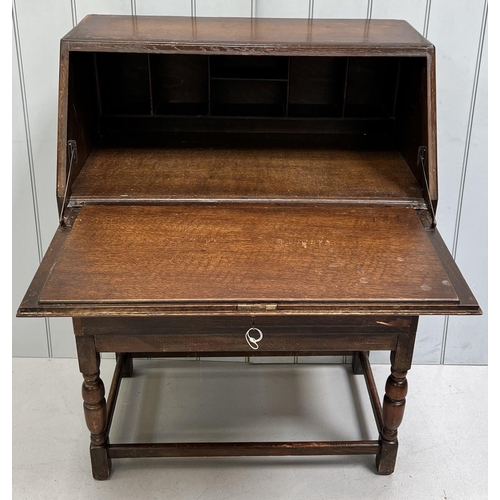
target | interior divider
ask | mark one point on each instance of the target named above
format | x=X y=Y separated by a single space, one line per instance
x=200 y=86
x=209 y=111
x=396 y=92
x=287 y=89
x=151 y=103
x=345 y=86
x=97 y=86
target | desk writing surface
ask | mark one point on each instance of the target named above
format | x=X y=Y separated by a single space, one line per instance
x=237 y=252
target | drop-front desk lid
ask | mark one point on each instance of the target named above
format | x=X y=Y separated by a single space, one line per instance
x=239 y=258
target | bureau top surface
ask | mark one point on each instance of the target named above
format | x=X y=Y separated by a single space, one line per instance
x=212 y=32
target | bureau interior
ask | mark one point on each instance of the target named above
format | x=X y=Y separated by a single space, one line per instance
x=286 y=109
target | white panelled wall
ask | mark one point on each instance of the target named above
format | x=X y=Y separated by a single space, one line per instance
x=458 y=30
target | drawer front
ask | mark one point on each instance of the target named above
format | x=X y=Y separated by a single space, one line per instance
x=247 y=335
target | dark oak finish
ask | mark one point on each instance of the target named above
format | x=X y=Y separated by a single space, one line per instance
x=94 y=405
x=259 y=35
x=236 y=342
x=250 y=449
x=241 y=253
x=125 y=175
x=365 y=368
x=361 y=62
x=230 y=174
x=396 y=389
x=230 y=324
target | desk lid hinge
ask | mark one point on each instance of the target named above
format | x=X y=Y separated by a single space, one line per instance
x=257 y=307
x=422 y=163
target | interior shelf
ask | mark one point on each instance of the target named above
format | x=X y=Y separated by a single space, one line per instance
x=249 y=67
x=202 y=85
x=230 y=174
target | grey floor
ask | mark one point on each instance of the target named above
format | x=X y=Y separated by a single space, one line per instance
x=443 y=438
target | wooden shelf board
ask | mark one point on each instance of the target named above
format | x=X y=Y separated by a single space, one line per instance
x=190 y=174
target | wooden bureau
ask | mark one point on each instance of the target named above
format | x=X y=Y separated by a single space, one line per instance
x=241 y=187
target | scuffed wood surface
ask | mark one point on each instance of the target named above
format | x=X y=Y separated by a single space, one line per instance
x=249 y=253
x=197 y=173
x=210 y=32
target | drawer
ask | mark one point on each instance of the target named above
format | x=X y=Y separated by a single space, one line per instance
x=244 y=335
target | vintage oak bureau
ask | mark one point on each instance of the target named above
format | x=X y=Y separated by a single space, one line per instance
x=246 y=187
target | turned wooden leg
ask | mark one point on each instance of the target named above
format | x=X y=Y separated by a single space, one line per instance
x=393 y=408
x=94 y=406
x=357 y=368
x=128 y=366
x=394 y=403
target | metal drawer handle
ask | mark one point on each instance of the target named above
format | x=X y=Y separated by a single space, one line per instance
x=252 y=341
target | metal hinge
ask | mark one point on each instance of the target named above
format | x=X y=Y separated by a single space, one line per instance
x=425 y=218
x=72 y=159
x=422 y=162
x=257 y=307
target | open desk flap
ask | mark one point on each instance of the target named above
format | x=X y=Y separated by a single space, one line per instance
x=236 y=258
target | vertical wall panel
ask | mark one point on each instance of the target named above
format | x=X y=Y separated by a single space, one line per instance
x=456 y=53
x=345 y=9
x=41 y=26
x=40 y=31
x=28 y=335
x=467 y=339
x=412 y=11
x=162 y=8
x=62 y=338
x=85 y=7
x=222 y=8
x=278 y=8
x=429 y=341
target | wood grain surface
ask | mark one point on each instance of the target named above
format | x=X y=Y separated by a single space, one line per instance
x=125 y=175
x=227 y=325
x=247 y=253
x=353 y=33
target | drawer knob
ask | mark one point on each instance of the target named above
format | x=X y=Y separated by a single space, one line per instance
x=252 y=341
